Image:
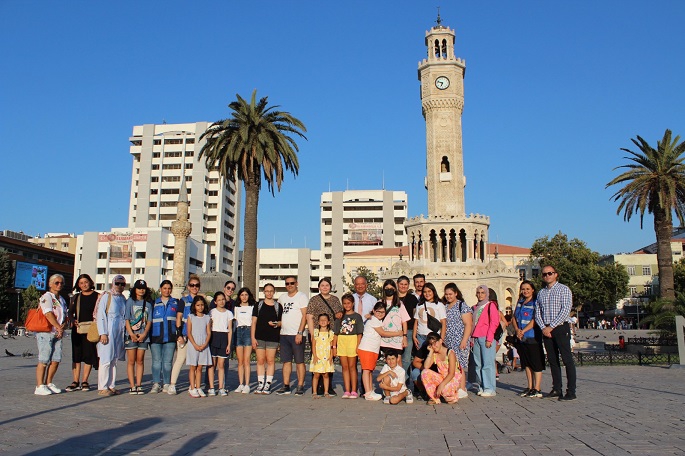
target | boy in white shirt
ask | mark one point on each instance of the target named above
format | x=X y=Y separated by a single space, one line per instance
x=392 y=380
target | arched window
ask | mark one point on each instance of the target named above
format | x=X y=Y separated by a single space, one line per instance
x=445 y=165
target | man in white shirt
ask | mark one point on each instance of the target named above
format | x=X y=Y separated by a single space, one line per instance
x=294 y=319
x=363 y=301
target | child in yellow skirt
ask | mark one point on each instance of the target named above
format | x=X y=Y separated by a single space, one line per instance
x=322 y=355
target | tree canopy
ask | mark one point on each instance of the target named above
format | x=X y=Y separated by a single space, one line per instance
x=373 y=287
x=579 y=269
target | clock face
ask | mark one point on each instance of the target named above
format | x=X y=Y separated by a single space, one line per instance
x=442 y=83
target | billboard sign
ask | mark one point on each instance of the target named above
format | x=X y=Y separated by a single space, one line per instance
x=365 y=234
x=121 y=245
x=27 y=274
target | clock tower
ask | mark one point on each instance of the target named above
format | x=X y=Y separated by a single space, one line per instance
x=442 y=102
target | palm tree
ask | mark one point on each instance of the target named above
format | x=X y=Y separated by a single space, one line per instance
x=256 y=139
x=655 y=182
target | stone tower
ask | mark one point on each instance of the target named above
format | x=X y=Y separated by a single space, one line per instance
x=449 y=245
x=181 y=229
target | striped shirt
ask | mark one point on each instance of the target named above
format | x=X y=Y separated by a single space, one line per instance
x=553 y=305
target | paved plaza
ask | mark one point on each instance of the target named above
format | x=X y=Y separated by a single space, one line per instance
x=637 y=410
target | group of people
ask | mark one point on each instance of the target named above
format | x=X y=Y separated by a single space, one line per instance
x=427 y=341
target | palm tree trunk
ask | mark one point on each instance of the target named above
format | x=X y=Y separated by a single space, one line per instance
x=250 y=233
x=663 y=227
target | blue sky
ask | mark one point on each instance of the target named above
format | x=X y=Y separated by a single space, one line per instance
x=553 y=90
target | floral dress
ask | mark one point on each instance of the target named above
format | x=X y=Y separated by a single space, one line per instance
x=455 y=332
x=432 y=379
x=324 y=361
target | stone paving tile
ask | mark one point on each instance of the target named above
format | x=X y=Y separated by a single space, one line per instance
x=633 y=410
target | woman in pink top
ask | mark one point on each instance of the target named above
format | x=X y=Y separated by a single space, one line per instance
x=486 y=318
x=396 y=317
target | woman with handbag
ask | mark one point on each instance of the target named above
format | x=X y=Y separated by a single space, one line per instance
x=83 y=351
x=54 y=309
x=138 y=324
x=429 y=315
x=486 y=318
x=110 y=311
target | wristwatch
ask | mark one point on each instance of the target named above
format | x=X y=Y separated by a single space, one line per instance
x=299 y=333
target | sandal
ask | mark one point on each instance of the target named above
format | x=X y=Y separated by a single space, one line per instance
x=114 y=392
x=105 y=393
x=73 y=387
x=84 y=386
x=433 y=402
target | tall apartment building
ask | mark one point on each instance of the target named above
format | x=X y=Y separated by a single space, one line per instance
x=165 y=154
x=274 y=265
x=359 y=220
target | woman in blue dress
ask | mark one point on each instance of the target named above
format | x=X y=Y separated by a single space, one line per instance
x=459 y=328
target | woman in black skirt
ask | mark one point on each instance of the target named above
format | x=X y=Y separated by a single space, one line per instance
x=529 y=337
x=81 y=310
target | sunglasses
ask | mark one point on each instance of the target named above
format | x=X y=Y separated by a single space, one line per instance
x=58 y=283
x=120 y=284
x=194 y=285
x=545 y=274
x=290 y=283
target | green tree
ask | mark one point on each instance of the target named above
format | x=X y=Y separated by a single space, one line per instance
x=30 y=298
x=679 y=276
x=256 y=140
x=662 y=313
x=8 y=300
x=373 y=287
x=578 y=269
x=655 y=183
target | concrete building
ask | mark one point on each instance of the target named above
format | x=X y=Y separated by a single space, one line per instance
x=355 y=221
x=64 y=242
x=139 y=253
x=163 y=156
x=274 y=265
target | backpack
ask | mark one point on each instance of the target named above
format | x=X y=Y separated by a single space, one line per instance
x=277 y=306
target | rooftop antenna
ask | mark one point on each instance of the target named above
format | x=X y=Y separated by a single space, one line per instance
x=383 y=181
x=163 y=121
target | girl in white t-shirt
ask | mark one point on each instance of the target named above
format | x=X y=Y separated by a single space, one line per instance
x=243 y=338
x=429 y=302
x=370 y=345
x=220 y=346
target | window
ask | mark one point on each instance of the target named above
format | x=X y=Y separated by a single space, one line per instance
x=155 y=167
x=140 y=254
x=154 y=179
x=189 y=166
x=156 y=142
x=190 y=153
x=631 y=270
x=167 y=217
x=155 y=154
x=152 y=217
x=190 y=140
x=171 y=166
x=170 y=191
x=173 y=141
x=101 y=270
x=153 y=204
x=154 y=191
x=632 y=291
x=172 y=154
x=647 y=270
x=102 y=255
x=213 y=193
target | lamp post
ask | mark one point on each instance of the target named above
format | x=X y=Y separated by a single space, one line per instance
x=18 y=303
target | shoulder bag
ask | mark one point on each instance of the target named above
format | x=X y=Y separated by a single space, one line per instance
x=432 y=322
x=499 y=331
x=93 y=334
x=81 y=327
x=36 y=321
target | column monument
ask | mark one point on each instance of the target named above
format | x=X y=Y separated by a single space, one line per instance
x=181 y=229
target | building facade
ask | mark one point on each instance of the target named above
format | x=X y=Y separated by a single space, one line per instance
x=274 y=265
x=359 y=220
x=64 y=242
x=139 y=253
x=164 y=156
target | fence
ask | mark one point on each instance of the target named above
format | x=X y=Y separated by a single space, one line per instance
x=663 y=341
x=623 y=358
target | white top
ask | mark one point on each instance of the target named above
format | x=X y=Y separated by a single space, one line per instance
x=401 y=377
x=435 y=309
x=220 y=320
x=367 y=303
x=243 y=315
x=292 y=312
x=55 y=304
x=371 y=340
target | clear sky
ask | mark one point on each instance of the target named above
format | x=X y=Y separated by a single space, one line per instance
x=553 y=90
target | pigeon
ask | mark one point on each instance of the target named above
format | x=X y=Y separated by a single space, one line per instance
x=27 y=354
x=8 y=353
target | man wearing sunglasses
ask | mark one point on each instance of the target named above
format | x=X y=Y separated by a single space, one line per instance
x=554 y=304
x=294 y=319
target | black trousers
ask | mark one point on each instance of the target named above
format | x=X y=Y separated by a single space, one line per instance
x=560 y=344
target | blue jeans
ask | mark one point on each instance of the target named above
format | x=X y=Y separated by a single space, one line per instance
x=162 y=357
x=406 y=356
x=485 y=364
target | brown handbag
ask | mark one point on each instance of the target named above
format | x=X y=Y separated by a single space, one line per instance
x=84 y=326
x=93 y=334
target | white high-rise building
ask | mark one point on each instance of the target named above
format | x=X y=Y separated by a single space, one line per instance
x=274 y=265
x=359 y=220
x=162 y=156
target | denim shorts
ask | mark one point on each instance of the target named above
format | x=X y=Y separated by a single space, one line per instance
x=49 y=348
x=290 y=350
x=243 y=337
x=130 y=345
x=266 y=345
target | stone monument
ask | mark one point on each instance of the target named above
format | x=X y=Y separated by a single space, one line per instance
x=181 y=229
x=449 y=245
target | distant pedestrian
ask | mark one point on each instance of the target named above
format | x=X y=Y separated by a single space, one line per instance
x=554 y=305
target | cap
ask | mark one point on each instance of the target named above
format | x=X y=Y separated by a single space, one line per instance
x=140 y=284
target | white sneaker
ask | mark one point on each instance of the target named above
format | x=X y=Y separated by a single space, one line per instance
x=409 y=398
x=373 y=396
x=488 y=394
x=53 y=388
x=170 y=389
x=165 y=388
x=246 y=389
x=42 y=390
x=267 y=388
x=155 y=388
x=386 y=400
x=239 y=389
x=201 y=392
x=462 y=394
x=193 y=393
x=260 y=388
x=211 y=392
x=222 y=392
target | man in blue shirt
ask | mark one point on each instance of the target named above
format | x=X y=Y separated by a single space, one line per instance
x=554 y=305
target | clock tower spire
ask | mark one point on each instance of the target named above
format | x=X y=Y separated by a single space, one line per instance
x=442 y=102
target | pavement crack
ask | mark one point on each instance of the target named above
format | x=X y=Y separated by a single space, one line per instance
x=313 y=438
x=495 y=424
x=586 y=445
x=447 y=444
x=276 y=420
x=608 y=424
